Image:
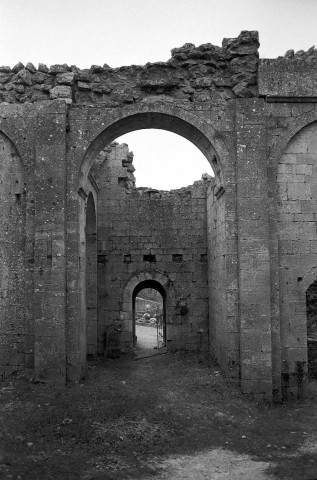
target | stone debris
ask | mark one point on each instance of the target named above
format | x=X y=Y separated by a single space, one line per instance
x=192 y=74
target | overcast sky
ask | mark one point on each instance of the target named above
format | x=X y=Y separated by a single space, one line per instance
x=125 y=32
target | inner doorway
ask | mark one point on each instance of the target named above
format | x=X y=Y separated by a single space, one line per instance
x=149 y=317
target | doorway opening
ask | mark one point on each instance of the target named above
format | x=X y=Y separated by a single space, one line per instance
x=149 y=316
x=311 y=308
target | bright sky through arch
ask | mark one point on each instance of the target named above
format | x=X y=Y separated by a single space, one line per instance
x=165 y=160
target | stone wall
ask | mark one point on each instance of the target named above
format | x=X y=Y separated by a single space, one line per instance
x=297 y=188
x=91 y=276
x=217 y=274
x=146 y=230
x=12 y=259
x=255 y=123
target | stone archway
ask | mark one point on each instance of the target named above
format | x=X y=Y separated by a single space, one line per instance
x=102 y=127
x=160 y=116
x=153 y=279
x=161 y=326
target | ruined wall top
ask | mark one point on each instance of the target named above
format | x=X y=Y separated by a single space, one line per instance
x=193 y=74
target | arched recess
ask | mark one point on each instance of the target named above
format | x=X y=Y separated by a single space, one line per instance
x=278 y=241
x=159 y=288
x=296 y=201
x=296 y=125
x=156 y=280
x=13 y=302
x=91 y=276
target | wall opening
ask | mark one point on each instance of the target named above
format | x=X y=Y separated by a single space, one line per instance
x=165 y=160
x=311 y=308
x=152 y=120
x=149 y=317
x=135 y=223
x=91 y=276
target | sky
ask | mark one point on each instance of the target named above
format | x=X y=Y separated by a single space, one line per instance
x=125 y=32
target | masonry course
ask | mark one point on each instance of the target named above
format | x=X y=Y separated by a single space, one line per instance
x=233 y=255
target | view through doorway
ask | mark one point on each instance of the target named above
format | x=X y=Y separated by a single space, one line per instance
x=149 y=325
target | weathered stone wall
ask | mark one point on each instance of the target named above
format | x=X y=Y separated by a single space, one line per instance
x=91 y=276
x=218 y=333
x=297 y=188
x=247 y=118
x=145 y=230
x=12 y=259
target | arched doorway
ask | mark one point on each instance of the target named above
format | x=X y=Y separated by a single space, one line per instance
x=149 y=316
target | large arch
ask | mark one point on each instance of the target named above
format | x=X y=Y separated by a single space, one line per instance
x=100 y=127
x=186 y=124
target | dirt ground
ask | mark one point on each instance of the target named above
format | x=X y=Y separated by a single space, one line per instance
x=170 y=416
x=146 y=338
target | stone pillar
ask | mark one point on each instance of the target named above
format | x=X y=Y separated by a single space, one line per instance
x=253 y=249
x=76 y=248
x=49 y=265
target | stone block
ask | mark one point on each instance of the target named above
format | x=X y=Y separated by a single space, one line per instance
x=297 y=191
x=61 y=92
x=66 y=78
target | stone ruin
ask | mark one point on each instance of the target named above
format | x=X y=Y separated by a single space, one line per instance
x=233 y=257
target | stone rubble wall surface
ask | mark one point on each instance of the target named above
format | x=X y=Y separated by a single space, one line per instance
x=193 y=74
